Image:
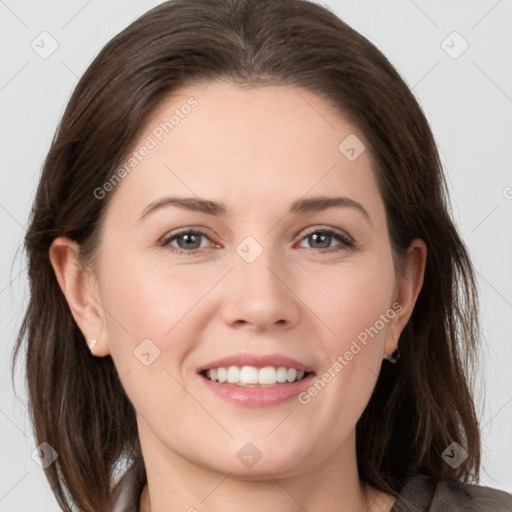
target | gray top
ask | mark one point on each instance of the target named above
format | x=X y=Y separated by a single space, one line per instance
x=419 y=493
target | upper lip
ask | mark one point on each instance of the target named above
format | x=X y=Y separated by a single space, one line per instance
x=257 y=360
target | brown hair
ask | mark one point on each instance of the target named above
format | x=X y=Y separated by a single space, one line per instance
x=420 y=405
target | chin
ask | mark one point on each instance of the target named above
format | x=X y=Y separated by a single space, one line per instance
x=254 y=461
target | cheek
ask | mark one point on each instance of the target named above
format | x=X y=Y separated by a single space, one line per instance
x=148 y=292
x=149 y=312
x=351 y=298
x=143 y=301
x=359 y=313
x=358 y=309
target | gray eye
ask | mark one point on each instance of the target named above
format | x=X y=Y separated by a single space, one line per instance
x=189 y=241
x=323 y=240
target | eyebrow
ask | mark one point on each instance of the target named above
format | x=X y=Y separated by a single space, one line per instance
x=308 y=205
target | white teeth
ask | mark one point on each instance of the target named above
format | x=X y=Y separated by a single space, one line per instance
x=267 y=375
x=248 y=375
x=233 y=374
x=292 y=375
x=222 y=374
x=281 y=374
x=251 y=376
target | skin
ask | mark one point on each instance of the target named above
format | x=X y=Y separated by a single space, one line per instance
x=257 y=151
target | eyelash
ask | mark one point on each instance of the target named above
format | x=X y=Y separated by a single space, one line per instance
x=347 y=242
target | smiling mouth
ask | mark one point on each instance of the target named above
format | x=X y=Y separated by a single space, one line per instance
x=251 y=376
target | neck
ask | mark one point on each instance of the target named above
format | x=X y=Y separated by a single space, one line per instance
x=176 y=484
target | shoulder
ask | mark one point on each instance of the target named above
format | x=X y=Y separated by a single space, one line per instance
x=471 y=497
x=422 y=493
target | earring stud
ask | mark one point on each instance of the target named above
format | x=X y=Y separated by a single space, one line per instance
x=394 y=357
x=92 y=344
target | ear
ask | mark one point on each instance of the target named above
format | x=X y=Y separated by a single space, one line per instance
x=79 y=287
x=408 y=287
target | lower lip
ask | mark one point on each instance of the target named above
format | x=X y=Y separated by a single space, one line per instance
x=258 y=396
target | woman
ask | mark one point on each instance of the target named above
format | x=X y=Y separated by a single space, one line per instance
x=254 y=369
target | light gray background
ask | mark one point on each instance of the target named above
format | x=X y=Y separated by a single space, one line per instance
x=468 y=101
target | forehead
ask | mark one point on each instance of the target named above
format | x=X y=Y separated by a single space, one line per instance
x=263 y=145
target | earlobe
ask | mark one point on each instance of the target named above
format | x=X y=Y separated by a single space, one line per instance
x=79 y=288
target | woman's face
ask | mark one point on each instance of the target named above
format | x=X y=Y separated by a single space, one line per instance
x=261 y=287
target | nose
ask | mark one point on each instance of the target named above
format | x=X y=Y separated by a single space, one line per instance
x=260 y=295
